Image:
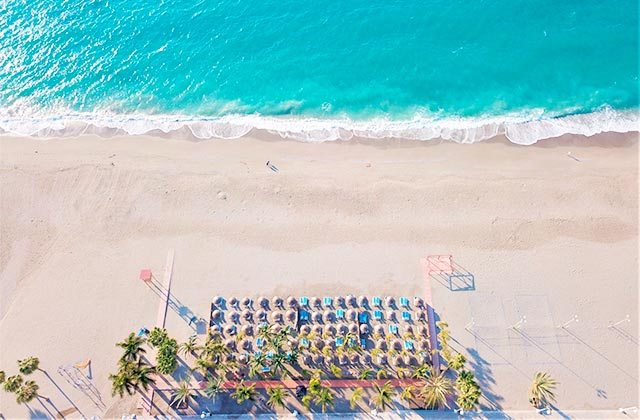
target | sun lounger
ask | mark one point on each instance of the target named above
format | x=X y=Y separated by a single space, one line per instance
x=404 y=302
x=363 y=317
x=408 y=345
x=327 y=301
x=304 y=342
x=304 y=301
x=270 y=354
x=377 y=301
x=406 y=316
x=339 y=341
x=260 y=342
x=266 y=369
x=363 y=343
x=377 y=315
x=304 y=316
x=393 y=328
x=340 y=313
x=257 y=353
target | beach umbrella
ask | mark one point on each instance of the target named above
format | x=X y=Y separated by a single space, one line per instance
x=318 y=359
x=381 y=344
x=412 y=361
x=329 y=343
x=214 y=329
x=382 y=359
x=424 y=345
x=340 y=301
x=293 y=343
x=218 y=300
x=408 y=329
x=363 y=301
x=330 y=330
x=229 y=329
x=261 y=315
x=397 y=361
x=216 y=314
x=364 y=329
x=351 y=314
x=235 y=316
x=276 y=329
x=247 y=330
x=366 y=359
x=329 y=316
x=307 y=359
x=292 y=302
x=343 y=359
x=353 y=328
x=291 y=315
x=316 y=302
x=230 y=343
x=263 y=302
x=305 y=329
x=230 y=357
x=277 y=316
x=391 y=315
x=246 y=301
x=277 y=301
x=421 y=316
x=243 y=359
x=343 y=329
x=233 y=302
x=390 y=301
x=246 y=345
x=317 y=316
x=418 y=302
x=317 y=329
x=355 y=358
x=379 y=329
x=247 y=315
x=396 y=345
x=423 y=331
x=351 y=301
x=318 y=343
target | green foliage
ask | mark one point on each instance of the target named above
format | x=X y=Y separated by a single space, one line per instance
x=422 y=372
x=408 y=393
x=468 y=391
x=27 y=392
x=356 y=397
x=457 y=362
x=157 y=336
x=436 y=390
x=167 y=358
x=2 y=376
x=315 y=384
x=12 y=383
x=335 y=371
x=181 y=394
x=276 y=397
x=29 y=365
x=130 y=377
x=132 y=348
x=541 y=392
x=324 y=398
x=244 y=393
x=190 y=346
x=366 y=373
x=384 y=395
x=213 y=388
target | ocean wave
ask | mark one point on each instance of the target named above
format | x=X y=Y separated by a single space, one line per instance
x=518 y=129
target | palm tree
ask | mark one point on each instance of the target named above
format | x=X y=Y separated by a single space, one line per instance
x=422 y=372
x=381 y=374
x=457 y=362
x=366 y=373
x=542 y=389
x=356 y=397
x=121 y=383
x=12 y=383
x=335 y=370
x=436 y=390
x=384 y=395
x=2 y=376
x=190 y=346
x=276 y=397
x=29 y=365
x=244 y=392
x=27 y=392
x=277 y=362
x=408 y=393
x=213 y=388
x=132 y=346
x=315 y=384
x=203 y=364
x=181 y=394
x=141 y=375
x=324 y=398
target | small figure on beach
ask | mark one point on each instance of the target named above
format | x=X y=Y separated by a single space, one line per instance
x=271 y=166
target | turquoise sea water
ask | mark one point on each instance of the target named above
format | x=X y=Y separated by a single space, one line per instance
x=321 y=70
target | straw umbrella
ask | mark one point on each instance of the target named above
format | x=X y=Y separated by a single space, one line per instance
x=246 y=301
x=245 y=345
x=423 y=331
x=424 y=345
x=382 y=359
x=276 y=316
x=318 y=359
x=390 y=301
x=216 y=314
x=214 y=329
x=421 y=316
x=343 y=329
x=317 y=316
x=363 y=301
x=340 y=301
x=343 y=359
x=305 y=329
x=352 y=301
x=391 y=315
x=364 y=329
x=307 y=360
x=317 y=329
x=293 y=343
x=381 y=344
x=233 y=302
x=329 y=343
x=261 y=314
x=229 y=330
x=418 y=302
x=247 y=315
x=355 y=358
x=292 y=302
x=316 y=302
x=247 y=330
x=366 y=359
x=351 y=315
x=218 y=300
x=234 y=316
x=330 y=330
x=412 y=361
x=263 y=302
x=230 y=357
x=329 y=316
x=230 y=343
x=408 y=329
x=353 y=328
x=291 y=315
x=396 y=344
x=379 y=329
x=277 y=301
x=243 y=359
x=397 y=361
x=276 y=329
x=318 y=343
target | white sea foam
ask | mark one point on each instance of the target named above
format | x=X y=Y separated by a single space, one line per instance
x=518 y=129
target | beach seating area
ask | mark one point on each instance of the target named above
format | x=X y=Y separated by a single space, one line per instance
x=329 y=330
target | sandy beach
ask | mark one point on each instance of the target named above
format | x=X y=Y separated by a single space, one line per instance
x=549 y=231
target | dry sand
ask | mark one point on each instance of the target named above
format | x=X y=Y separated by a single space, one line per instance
x=545 y=235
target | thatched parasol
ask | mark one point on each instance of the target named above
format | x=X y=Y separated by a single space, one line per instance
x=247 y=315
x=316 y=302
x=382 y=359
x=355 y=358
x=263 y=302
x=214 y=329
x=343 y=359
x=229 y=329
x=307 y=360
x=230 y=357
x=233 y=302
x=329 y=343
x=379 y=329
x=423 y=331
x=418 y=302
x=330 y=330
x=277 y=301
x=381 y=344
x=243 y=359
x=293 y=343
x=234 y=316
x=216 y=314
x=408 y=329
x=247 y=330
x=245 y=345
x=261 y=315
x=329 y=316
x=318 y=343
x=351 y=301
x=230 y=343
x=351 y=315
x=276 y=329
x=366 y=359
x=424 y=345
x=396 y=345
x=343 y=329
x=317 y=329
x=390 y=301
x=292 y=302
x=340 y=301
x=363 y=301
x=353 y=328
x=317 y=317
x=398 y=361
x=364 y=329
x=412 y=361
x=276 y=316
x=246 y=301
x=421 y=316
x=218 y=300
x=291 y=315
x=318 y=359
x=391 y=315
x=305 y=329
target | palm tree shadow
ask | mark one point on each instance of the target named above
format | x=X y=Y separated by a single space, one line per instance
x=63 y=393
x=484 y=375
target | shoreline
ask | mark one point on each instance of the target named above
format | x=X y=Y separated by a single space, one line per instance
x=523 y=130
